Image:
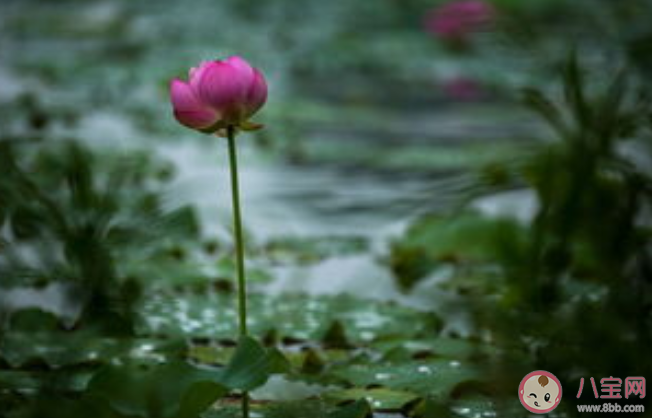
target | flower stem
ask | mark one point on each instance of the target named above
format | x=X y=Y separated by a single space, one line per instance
x=239 y=249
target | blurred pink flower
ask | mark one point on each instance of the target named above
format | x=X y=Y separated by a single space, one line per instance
x=463 y=89
x=219 y=94
x=457 y=19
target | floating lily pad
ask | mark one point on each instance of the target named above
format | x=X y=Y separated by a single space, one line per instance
x=177 y=389
x=305 y=409
x=436 y=378
x=428 y=348
x=81 y=347
x=435 y=240
x=294 y=317
x=472 y=407
x=29 y=383
x=380 y=399
x=309 y=250
x=188 y=271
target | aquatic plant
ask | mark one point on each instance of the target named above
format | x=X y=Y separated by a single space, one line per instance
x=569 y=289
x=219 y=98
x=219 y=95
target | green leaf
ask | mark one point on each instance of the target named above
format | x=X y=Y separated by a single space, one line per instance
x=430 y=408
x=431 y=348
x=175 y=390
x=58 y=349
x=359 y=409
x=312 y=363
x=309 y=408
x=435 y=378
x=463 y=239
x=252 y=365
x=301 y=409
x=33 y=320
x=63 y=407
x=335 y=336
x=611 y=121
x=574 y=91
x=536 y=101
x=182 y=222
x=379 y=398
x=306 y=250
x=68 y=380
x=296 y=317
x=478 y=406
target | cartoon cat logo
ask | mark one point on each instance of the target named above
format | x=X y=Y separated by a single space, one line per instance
x=540 y=392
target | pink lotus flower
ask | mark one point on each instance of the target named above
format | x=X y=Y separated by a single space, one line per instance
x=457 y=19
x=463 y=89
x=219 y=94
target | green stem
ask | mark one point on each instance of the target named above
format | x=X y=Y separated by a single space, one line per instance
x=239 y=249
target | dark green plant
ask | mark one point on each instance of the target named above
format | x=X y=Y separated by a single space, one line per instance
x=95 y=225
x=571 y=291
x=579 y=294
x=76 y=214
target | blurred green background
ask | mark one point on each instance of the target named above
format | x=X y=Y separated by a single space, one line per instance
x=428 y=219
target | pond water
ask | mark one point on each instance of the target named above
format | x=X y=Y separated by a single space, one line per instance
x=328 y=199
x=282 y=200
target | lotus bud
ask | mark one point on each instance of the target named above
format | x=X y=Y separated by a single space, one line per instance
x=219 y=94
